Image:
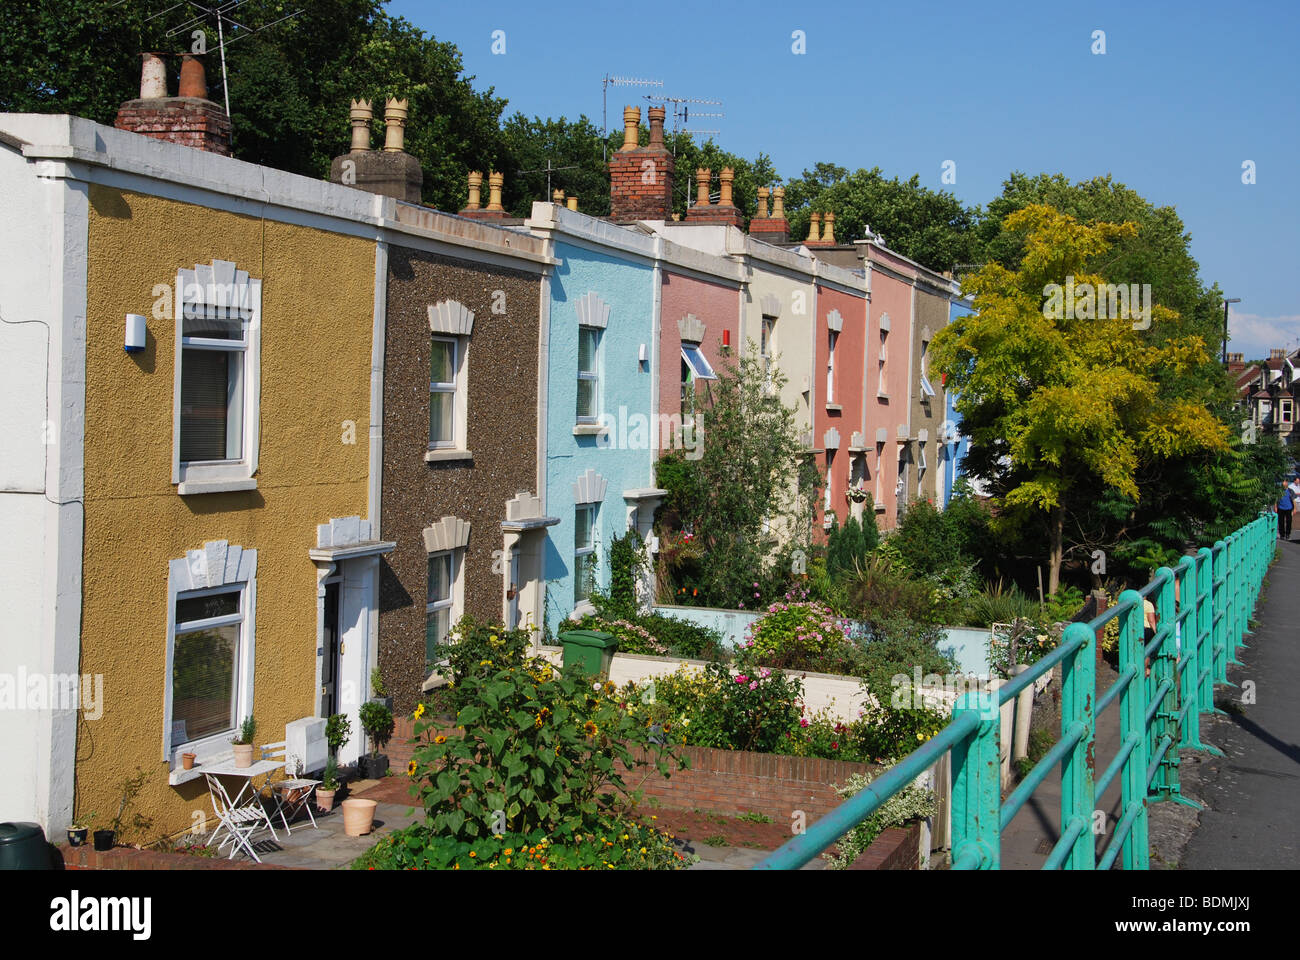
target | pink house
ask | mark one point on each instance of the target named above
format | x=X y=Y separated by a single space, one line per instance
x=891 y=280
x=841 y=379
x=697 y=335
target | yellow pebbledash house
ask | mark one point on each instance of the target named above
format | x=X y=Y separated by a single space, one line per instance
x=190 y=452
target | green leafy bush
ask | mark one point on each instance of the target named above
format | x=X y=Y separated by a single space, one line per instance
x=534 y=751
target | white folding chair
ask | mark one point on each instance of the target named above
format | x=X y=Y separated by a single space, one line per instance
x=239 y=822
x=293 y=794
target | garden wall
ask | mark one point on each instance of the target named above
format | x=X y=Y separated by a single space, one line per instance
x=128 y=858
x=732 y=624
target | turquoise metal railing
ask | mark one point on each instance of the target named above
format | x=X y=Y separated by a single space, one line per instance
x=1200 y=633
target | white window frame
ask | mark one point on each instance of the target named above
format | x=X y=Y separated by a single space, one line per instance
x=457 y=387
x=1286 y=407
x=454 y=604
x=697 y=362
x=592 y=375
x=183 y=574
x=585 y=551
x=766 y=343
x=220 y=289
x=832 y=337
x=926 y=389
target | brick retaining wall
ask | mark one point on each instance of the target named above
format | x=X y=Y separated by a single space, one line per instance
x=128 y=858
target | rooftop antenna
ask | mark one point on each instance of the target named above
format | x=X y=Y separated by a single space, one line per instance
x=221 y=12
x=681 y=114
x=548 y=170
x=615 y=80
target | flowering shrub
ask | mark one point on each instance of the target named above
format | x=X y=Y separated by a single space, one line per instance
x=535 y=750
x=611 y=844
x=795 y=631
x=910 y=803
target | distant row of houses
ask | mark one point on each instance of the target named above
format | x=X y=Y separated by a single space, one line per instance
x=1268 y=393
x=342 y=420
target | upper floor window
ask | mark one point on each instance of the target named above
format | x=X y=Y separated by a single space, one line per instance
x=927 y=390
x=450 y=325
x=830 y=367
x=443 y=364
x=216 y=393
x=588 y=374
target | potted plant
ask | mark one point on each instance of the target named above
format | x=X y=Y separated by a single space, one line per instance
x=79 y=828
x=243 y=742
x=338 y=731
x=187 y=761
x=858 y=493
x=379 y=691
x=131 y=787
x=377 y=721
x=329 y=786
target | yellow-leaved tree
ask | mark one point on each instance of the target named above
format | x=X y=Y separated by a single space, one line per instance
x=1058 y=384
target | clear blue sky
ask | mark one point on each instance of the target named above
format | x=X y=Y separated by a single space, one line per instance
x=1184 y=93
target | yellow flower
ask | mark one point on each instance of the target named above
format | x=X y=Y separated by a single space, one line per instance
x=440 y=738
x=509 y=850
x=410 y=769
x=419 y=711
x=473 y=854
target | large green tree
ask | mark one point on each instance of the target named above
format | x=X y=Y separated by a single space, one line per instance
x=931 y=227
x=1063 y=404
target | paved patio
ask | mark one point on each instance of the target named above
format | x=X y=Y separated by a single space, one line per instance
x=328 y=847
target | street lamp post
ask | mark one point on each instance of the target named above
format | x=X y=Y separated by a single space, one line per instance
x=1226 y=301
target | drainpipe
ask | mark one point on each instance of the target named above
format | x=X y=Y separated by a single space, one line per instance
x=656 y=330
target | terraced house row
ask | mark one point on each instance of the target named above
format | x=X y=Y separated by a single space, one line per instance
x=263 y=433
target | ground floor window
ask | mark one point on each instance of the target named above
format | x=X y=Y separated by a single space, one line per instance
x=442 y=583
x=584 y=552
x=205 y=664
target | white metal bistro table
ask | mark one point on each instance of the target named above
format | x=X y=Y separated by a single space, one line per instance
x=227 y=768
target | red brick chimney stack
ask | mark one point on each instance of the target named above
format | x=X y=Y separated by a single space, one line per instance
x=773 y=227
x=641 y=178
x=190 y=119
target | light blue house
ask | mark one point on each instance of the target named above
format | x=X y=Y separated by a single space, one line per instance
x=599 y=388
x=954 y=442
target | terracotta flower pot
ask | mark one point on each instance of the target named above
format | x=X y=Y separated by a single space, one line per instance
x=358 y=816
x=187 y=761
x=324 y=800
x=243 y=755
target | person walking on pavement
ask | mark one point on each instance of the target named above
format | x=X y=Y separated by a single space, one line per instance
x=1285 y=506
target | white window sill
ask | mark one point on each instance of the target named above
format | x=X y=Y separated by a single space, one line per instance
x=588 y=429
x=834 y=408
x=188 y=488
x=206 y=756
x=881 y=395
x=443 y=455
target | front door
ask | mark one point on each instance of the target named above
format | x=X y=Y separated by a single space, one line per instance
x=331 y=651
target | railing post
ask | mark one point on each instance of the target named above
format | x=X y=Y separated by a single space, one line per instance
x=1078 y=704
x=1202 y=660
x=977 y=783
x=1165 y=670
x=1238 y=596
x=1133 y=727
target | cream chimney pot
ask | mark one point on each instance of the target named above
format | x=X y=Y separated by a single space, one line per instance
x=778 y=203
x=361 y=114
x=495 y=181
x=631 y=127
x=475 y=190
x=153 y=77
x=572 y=203
x=395 y=125
x=557 y=196
x=828 y=235
x=814 y=228
x=762 y=203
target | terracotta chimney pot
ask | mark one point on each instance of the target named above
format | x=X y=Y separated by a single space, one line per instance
x=725 y=179
x=475 y=188
x=395 y=112
x=657 y=128
x=778 y=203
x=702 y=175
x=194 y=80
x=828 y=235
x=762 y=203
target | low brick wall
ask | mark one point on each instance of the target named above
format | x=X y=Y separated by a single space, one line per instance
x=897 y=848
x=737 y=781
x=128 y=858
